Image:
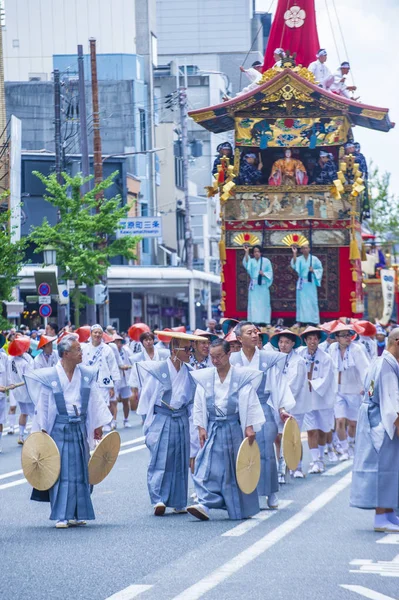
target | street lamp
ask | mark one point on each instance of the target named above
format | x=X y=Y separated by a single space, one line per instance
x=50 y=256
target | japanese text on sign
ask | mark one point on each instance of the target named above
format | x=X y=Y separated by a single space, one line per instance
x=143 y=226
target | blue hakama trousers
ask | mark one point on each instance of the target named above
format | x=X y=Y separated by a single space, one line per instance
x=268 y=482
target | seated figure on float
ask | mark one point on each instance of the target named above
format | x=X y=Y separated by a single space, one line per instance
x=225 y=150
x=288 y=171
x=250 y=170
x=325 y=171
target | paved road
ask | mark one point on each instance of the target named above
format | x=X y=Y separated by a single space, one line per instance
x=309 y=549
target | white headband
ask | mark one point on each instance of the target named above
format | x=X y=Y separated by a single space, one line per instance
x=94 y=327
x=322 y=52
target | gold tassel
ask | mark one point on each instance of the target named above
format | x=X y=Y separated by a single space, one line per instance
x=353 y=303
x=222 y=306
x=354 y=275
x=222 y=276
x=222 y=250
x=364 y=255
x=354 y=253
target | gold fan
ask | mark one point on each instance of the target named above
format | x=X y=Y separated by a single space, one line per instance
x=295 y=239
x=246 y=238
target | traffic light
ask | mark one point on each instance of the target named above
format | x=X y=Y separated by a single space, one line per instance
x=100 y=294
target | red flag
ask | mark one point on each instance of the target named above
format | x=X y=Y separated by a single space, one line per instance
x=294 y=28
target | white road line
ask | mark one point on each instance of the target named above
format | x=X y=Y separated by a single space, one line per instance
x=11 y=474
x=390 y=538
x=338 y=468
x=249 y=524
x=135 y=441
x=366 y=592
x=265 y=543
x=132 y=449
x=130 y=592
x=4 y=486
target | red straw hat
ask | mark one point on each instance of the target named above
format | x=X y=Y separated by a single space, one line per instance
x=45 y=339
x=365 y=328
x=83 y=333
x=328 y=326
x=19 y=345
x=135 y=331
x=231 y=337
x=342 y=327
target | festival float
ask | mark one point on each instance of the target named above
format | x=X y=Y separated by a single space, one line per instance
x=286 y=121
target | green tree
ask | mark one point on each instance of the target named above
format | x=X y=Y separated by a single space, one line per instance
x=11 y=261
x=384 y=207
x=84 y=237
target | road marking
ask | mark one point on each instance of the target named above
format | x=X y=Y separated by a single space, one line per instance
x=265 y=543
x=130 y=592
x=338 y=468
x=132 y=449
x=4 y=486
x=135 y=441
x=390 y=538
x=11 y=474
x=366 y=592
x=254 y=521
x=383 y=568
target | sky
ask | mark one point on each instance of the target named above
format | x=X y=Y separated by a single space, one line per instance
x=370 y=31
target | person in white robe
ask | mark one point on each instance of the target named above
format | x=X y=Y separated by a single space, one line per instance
x=150 y=351
x=69 y=409
x=367 y=332
x=226 y=409
x=276 y=400
x=199 y=358
x=375 y=480
x=278 y=56
x=320 y=70
x=254 y=74
x=339 y=85
x=48 y=357
x=124 y=359
x=321 y=390
x=165 y=404
x=294 y=371
x=19 y=365
x=97 y=354
x=350 y=367
x=4 y=382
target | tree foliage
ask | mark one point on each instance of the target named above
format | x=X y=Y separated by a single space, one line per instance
x=11 y=261
x=84 y=236
x=384 y=207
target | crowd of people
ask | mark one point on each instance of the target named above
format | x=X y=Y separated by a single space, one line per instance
x=199 y=394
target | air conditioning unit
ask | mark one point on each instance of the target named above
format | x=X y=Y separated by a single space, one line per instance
x=37 y=77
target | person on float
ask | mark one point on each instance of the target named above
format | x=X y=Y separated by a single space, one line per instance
x=307 y=304
x=320 y=70
x=48 y=357
x=226 y=410
x=254 y=74
x=225 y=149
x=321 y=389
x=288 y=171
x=338 y=86
x=276 y=400
x=68 y=408
x=278 y=56
x=20 y=363
x=375 y=477
x=97 y=354
x=361 y=160
x=350 y=365
x=250 y=170
x=295 y=376
x=166 y=405
x=325 y=171
x=260 y=271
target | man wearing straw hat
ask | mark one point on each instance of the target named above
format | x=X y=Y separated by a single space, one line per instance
x=350 y=365
x=69 y=409
x=20 y=363
x=276 y=400
x=48 y=357
x=321 y=390
x=165 y=404
x=226 y=409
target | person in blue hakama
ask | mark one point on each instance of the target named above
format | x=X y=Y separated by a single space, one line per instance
x=307 y=306
x=375 y=480
x=260 y=271
x=165 y=403
x=69 y=409
x=226 y=409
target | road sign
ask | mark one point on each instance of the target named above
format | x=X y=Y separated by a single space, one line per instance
x=44 y=299
x=44 y=290
x=45 y=310
x=146 y=227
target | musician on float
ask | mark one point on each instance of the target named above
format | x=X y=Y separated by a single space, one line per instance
x=288 y=171
x=260 y=271
x=310 y=272
x=320 y=70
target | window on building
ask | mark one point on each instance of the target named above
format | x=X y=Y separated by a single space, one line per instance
x=143 y=130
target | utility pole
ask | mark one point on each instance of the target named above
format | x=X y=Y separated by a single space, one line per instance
x=97 y=157
x=184 y=143
x=91 y=310
x=57 y=124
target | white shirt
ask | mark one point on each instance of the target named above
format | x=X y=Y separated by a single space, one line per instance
x=338 y=86
x=42 y=360
x=103 y=359
x=351 y=369
x=19 y=365
x=296 y=377
x=4 y=372
x=322 y=73
x=254 y=76
x=322 y=393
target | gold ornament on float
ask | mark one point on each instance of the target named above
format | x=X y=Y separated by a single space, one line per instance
x=295 y=239
x=246 y=238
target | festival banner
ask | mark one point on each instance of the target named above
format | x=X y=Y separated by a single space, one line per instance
x=388 y=294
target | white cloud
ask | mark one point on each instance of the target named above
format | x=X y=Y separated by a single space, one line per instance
x=370 y=30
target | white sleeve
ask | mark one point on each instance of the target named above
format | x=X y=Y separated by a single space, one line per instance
x=389 y=399
x=252 y=74
x=41 y=419
x=200 y=416
x=113 y=366
x=251 y=412
x=98 y=415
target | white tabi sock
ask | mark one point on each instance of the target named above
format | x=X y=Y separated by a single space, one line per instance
x=12 y=420
x=351 y=440
x=21 y=430
x=344 y=445
x=321 y=452
x=314 y=453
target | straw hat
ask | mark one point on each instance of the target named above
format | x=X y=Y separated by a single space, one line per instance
x=41 y=462
x=342 y=327
x=310 y=329
x=328 y=326
x=291 y=443
x=206 y=334
x=104 y=457
x=44 y=340
x=180 y=335
x=135 y=331
x=231 y=337
x=288 y=333
x=227 y=323
x=19 y=345
x=248 y=466
x=83 y=333
x=365 y=328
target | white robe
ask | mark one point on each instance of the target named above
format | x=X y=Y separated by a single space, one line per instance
x=42 y=361
x=369 y=346
x=339 y=87
x=254 y=76
x=353 y=368
x=322 y=73
x=296 y=376
x=98 y=415
x=134 y=379
x=4 y=382
x=19 y=365
x=249 y=407
x=323 y=390
x=103 y=359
